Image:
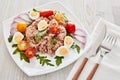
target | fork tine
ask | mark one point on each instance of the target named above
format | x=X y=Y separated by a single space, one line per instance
x=106 y=37
x=109 y=41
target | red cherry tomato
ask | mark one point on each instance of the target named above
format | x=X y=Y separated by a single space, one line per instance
x=70 y=27
x=54 y=29
x=30 y=52
x=46 y=13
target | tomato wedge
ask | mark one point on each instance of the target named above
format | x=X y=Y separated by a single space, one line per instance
x=71 y=28
x=54 y=29
x=30 y=52
x=46 y=13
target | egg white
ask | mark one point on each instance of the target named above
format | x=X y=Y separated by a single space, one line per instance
x=58 y=51
x=42 y=25
x=19 y=35
x=34 y=17
x=66 y=40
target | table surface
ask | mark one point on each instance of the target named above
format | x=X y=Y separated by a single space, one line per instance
x=108 y=9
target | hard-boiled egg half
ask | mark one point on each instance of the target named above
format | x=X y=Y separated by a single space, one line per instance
x=62 y=51
x=34 y=15
x=18 y=36
x=42 y=25
x=68 y=41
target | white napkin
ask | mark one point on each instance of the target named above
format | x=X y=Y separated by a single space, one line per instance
x=109 y=68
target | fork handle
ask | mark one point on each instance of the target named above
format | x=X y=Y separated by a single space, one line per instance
x=93 y=72
x=80 y=69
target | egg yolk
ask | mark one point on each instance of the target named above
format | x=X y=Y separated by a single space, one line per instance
x=68 y=40
x=63 y=51
x=33 y=14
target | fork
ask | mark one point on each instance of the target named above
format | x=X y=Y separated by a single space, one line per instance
x=106 y=46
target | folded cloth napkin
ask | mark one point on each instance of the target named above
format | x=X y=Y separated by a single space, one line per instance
x=109 y=68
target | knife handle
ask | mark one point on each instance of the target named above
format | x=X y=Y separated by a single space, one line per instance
x=90 y=76
x=80 y=69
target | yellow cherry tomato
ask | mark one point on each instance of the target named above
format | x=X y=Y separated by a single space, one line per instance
x=59 y=17
x=21 y=27
x=23 y=45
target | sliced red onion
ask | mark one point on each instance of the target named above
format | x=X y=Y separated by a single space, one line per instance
x=18 y=20
x=79 y=35
x=13 y=28
x=81 y=32
x=80 y=39
x=82 y=44
x=25 y=17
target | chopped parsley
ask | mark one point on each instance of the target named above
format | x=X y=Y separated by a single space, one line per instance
x=53 y=41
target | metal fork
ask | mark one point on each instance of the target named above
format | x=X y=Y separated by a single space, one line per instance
x=106 y=46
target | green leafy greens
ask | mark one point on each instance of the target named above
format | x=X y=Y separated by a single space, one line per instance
x=22 y=55
x=75 y=46
x=53 y=41
x=40 y=35
x=44 y=60
x=35 y=10
x=16 y=51
x=10 y=38
x=58 y=60
x=14 y=45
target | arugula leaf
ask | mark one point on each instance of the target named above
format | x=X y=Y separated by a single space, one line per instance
x=40 y=35
x=22 y=56
x=16 y=51
x=68 y=34
x=75 y=46
x=10 y=38
x=59 y=60
x=35 y=10
x=44 y=60
x=14 y=45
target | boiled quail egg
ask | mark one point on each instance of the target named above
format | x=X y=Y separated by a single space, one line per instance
x=18 y=36
x=42 y=25
x=33 y=15
x=68 y=41
x=62 y=51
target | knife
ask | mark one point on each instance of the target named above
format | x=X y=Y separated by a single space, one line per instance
x=96 y=39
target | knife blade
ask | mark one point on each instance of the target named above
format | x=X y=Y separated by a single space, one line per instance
x=96 y=39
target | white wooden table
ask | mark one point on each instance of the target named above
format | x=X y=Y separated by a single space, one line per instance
x=109 y=9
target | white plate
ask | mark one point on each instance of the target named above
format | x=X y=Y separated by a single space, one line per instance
x=34 y=68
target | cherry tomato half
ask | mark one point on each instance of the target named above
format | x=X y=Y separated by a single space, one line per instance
x=54 y=29
x=30 y=52
x=46 y=13
x=70 y=27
